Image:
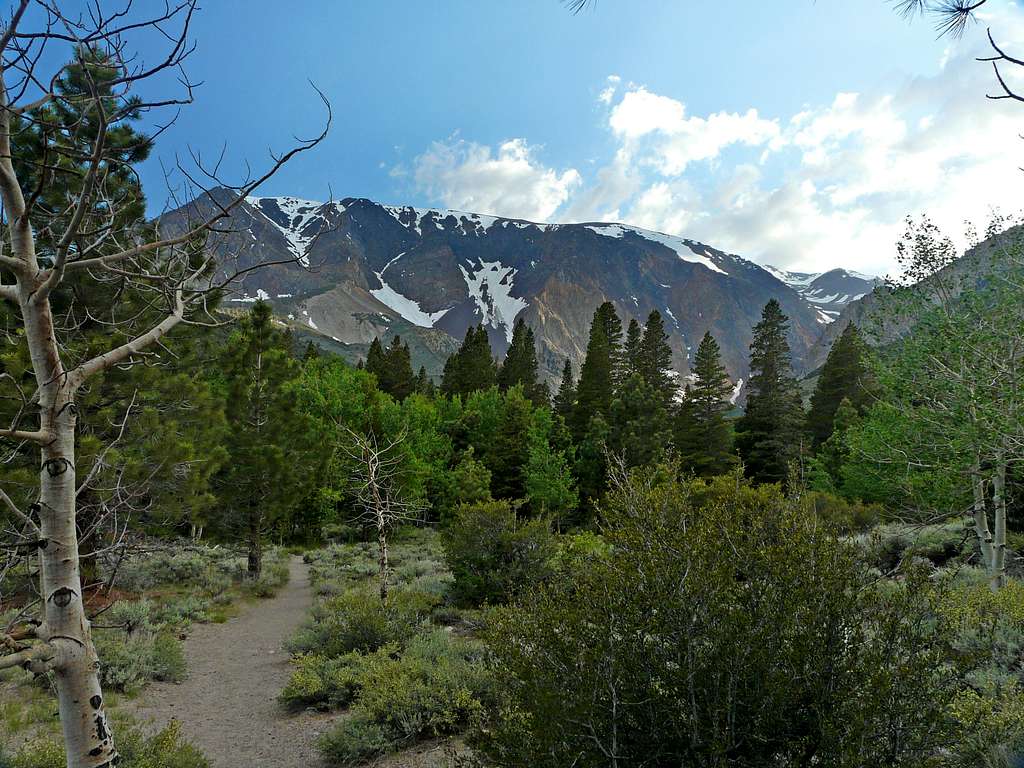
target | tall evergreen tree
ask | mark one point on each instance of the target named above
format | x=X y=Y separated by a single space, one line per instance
x=565 y=399
x=655 y=359
x=631 y=352
x=640 y=427
x=375 y=362
x=601 y=371
x=844 y=375
x=768 y=434
x=424 y=384
x=259 y=481
x=399 y=381
x=520 y=366
x=472 y=367
x=703 y=437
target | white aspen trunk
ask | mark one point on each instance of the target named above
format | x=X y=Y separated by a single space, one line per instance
x=998 y=572
x=88 y=740
x=979 y=512
x=382 y=545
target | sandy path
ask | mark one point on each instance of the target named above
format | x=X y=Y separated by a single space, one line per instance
x=228 y=705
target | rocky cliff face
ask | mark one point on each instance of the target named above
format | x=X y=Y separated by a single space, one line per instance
x=375 y=270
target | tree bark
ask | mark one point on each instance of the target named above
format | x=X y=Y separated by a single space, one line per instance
x=998 y=572
x=65 y=628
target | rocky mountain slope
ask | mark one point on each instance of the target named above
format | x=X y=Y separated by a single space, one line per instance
x=376 y=270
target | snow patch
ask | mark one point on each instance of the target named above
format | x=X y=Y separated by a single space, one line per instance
x=403 y=305
x=683 y=248
x=736 y=392
x=490 y=286
x=300 y=214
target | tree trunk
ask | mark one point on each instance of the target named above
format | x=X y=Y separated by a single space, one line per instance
x=979 y=513
x=998 y=571
x=255 y=561
x=87 y=736
x=382 y=545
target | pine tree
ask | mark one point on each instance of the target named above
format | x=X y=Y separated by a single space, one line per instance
x=825 y=470
x=520 y=366
x=312 y=352
x=375 y=362
x=703 y=438
x=655 y=359
x=472 y=367
x=844 y=376
x=640 y=427
x=424 y=384
x=399 y=381
x=768 y=433
x=601 y=371
x=259 y=481
x=510 y=449
x=631 y=352
x=565 y=399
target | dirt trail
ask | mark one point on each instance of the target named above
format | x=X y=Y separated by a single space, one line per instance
x=228 y=705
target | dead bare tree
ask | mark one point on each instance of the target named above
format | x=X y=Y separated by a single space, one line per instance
x=64 y=218
x=378 y=489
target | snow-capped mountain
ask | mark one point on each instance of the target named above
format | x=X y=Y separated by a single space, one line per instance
x=829 y=291
x=361 y=269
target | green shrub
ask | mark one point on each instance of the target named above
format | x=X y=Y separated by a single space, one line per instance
x=354 y=741
x=326 y=683
x=493 y=555
x=359 y=621
x=162 y=750
x=436 y=687
x=127 y=663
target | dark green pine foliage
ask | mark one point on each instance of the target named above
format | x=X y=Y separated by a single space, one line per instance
x=703 y=437
x=844 y=375
x=262 y=476
x=392 y=367
x=424 y=384
x=601 y=371
x=654 y=362
x=472 y=367
x=510 y=449
x=640 y=426
x=375 y=362
x=826 y=468
x=565 y=398
x=520 y=366
x=768 y=434
x=631 y=351
x=312 y=352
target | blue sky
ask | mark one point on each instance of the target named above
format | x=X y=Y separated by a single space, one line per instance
x=755 y=127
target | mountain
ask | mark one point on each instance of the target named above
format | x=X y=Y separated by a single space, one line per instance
x=830 y=291
x=428 y=274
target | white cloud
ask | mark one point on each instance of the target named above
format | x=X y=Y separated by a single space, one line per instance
x=828 y=186
x=509 y=182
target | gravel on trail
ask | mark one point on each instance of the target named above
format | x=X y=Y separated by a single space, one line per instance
x=228 y=704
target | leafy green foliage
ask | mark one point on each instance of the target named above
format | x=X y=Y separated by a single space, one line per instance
x=472 y=367
x=494 y=555
x=761 y=640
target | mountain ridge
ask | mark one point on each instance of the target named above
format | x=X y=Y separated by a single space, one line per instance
x=369 y=269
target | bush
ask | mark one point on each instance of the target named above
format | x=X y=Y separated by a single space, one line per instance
x=326 y=683
x=127 y=663
x=354 y=741
x=162 y=750
x=725 y=627
x=359 y=621
x=493 y=555
x=437 y=687
x=847 y=516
